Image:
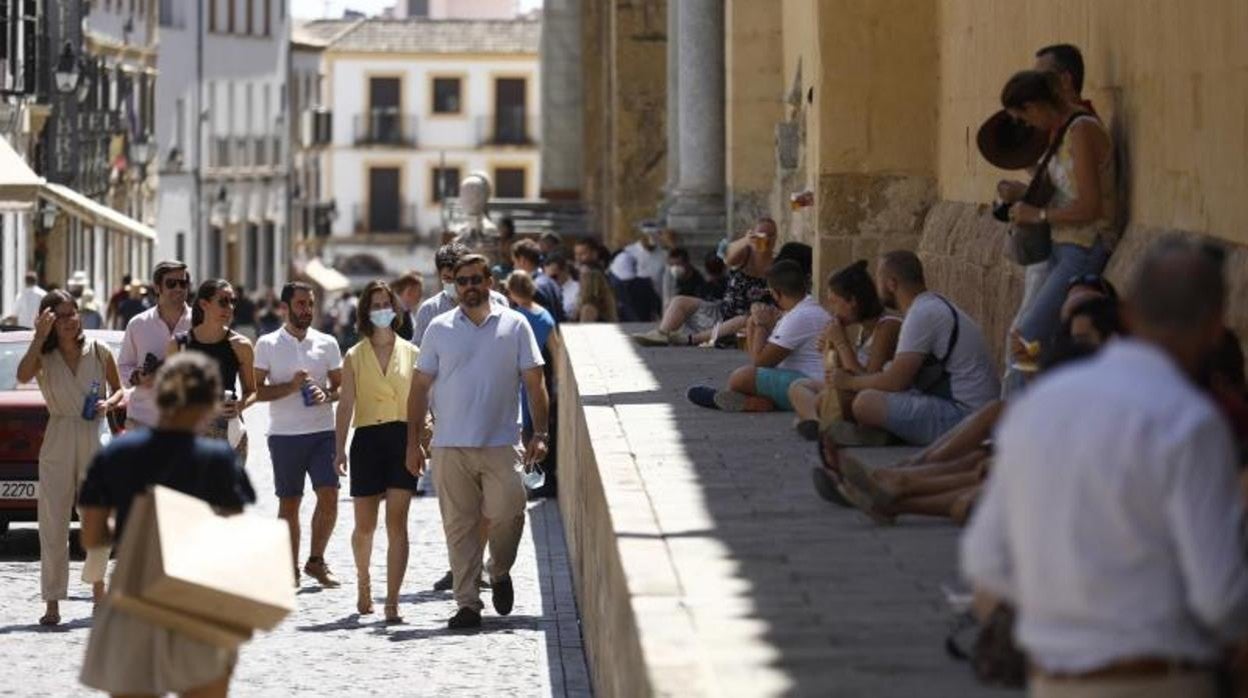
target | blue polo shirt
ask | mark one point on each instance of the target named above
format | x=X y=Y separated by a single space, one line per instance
x=476 y=376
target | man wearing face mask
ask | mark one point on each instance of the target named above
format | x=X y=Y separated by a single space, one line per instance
x=445 y=260
x=688 y=280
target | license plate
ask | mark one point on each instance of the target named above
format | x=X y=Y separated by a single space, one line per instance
x=21 y=489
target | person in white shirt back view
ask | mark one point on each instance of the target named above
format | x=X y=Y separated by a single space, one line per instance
x=26 y=306
x=783 y=346
x=1113 y=519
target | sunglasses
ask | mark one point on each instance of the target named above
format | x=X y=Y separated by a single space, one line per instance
x=474 y=280
x=224 y=302
x=171 y=284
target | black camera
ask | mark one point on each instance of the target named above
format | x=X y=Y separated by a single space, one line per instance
x=1001 y=211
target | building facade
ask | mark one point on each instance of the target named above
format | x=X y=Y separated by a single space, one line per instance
x=76 y=115
x=416 y=106
x=223 y=129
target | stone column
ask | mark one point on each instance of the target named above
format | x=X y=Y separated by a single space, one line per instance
x=698 y=210
x=673 y=101
x=562 y=112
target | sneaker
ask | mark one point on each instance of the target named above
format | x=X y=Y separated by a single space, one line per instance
x=318 y=569
x=446 y=583
x=732 y=401
x=504 y=595
x=465 y=619
x=702 y=396
x=850 y=434
x=653 y=338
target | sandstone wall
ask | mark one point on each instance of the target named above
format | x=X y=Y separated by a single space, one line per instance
x=753 y=94
x=1170 y=77
x=624 y=53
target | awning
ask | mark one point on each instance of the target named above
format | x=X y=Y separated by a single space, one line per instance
x=330 y=280
x=95 y=212
x=19 y=185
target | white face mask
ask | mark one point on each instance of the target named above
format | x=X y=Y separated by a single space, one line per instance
x=452 y=293
x=676 y=270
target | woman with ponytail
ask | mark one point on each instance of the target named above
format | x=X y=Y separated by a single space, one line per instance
x=852 y=300
x=127 y=655
x=212 y=313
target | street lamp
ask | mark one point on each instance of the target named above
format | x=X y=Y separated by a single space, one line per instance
x=48 y=216
x=142 y=150
x=67 y=72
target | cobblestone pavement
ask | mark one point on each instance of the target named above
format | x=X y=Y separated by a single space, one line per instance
x=325 y=648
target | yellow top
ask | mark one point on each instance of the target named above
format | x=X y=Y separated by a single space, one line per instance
x=381 y=398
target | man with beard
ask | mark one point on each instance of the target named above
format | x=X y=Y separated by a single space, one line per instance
x=941 y=373
x=147 y=338
x=298 y=370
x=473 y=360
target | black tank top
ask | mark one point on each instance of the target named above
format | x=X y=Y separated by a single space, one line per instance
x=222 y=352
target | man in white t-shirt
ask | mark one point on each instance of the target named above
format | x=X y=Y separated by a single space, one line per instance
x=783 y=346
x=942 y=371
x=26 y=306
x=641 y=268
x=298 y=371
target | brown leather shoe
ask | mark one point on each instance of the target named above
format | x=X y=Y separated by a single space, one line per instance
x=317 y=569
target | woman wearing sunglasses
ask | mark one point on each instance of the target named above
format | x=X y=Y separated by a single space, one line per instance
x=212 y=313
x=376 y=376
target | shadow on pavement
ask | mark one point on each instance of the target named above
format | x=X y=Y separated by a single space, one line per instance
x=77 y=624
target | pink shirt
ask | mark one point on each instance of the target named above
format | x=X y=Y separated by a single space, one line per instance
x=146 y=334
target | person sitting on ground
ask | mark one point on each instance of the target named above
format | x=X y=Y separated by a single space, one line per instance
x=526 y=256
x=596 y=301
x=689 y=281
x=557 y=267
x=853 y=301
x=942 y=371
x=690 y=321
x=783 y=348
x=950 y=488
x=1114 y=522
x=716 y=276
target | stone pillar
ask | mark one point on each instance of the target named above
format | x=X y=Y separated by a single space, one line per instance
x=562 y=110
x=698 y=210
x=673 y=103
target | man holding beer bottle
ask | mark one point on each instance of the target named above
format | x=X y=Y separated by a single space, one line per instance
x=298 y=370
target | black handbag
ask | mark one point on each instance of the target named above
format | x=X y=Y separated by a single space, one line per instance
x=1032 y=243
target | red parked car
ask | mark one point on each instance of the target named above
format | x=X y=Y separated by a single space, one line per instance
x=23 y=418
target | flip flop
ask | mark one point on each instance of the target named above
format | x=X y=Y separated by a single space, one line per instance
x=864 y=503
x=857 y=475
x=828 y=485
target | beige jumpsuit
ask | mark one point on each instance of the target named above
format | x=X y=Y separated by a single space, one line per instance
x=68 y=446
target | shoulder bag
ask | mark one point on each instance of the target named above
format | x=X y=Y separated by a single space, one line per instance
x=1032 y=243
x=933 y=377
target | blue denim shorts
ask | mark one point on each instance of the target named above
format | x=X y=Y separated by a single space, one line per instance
x=773 y=384
x=919 y=419
x=294 y=455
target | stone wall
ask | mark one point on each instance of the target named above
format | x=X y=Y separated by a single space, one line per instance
x=625 y=146
x=753 y=93
x=1169 y=77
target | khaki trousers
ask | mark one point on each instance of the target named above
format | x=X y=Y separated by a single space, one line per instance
x=472 y=484
x=1184 y=685
x=68 y=446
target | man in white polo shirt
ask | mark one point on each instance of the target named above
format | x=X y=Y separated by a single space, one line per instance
x=473 y=359
x=298 y=371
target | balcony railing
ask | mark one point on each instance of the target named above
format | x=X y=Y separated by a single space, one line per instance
x=385 y=127
x=398 y=217
x=511 y=127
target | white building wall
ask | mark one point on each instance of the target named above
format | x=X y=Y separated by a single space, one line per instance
x=462 y=9
x=453 y=138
